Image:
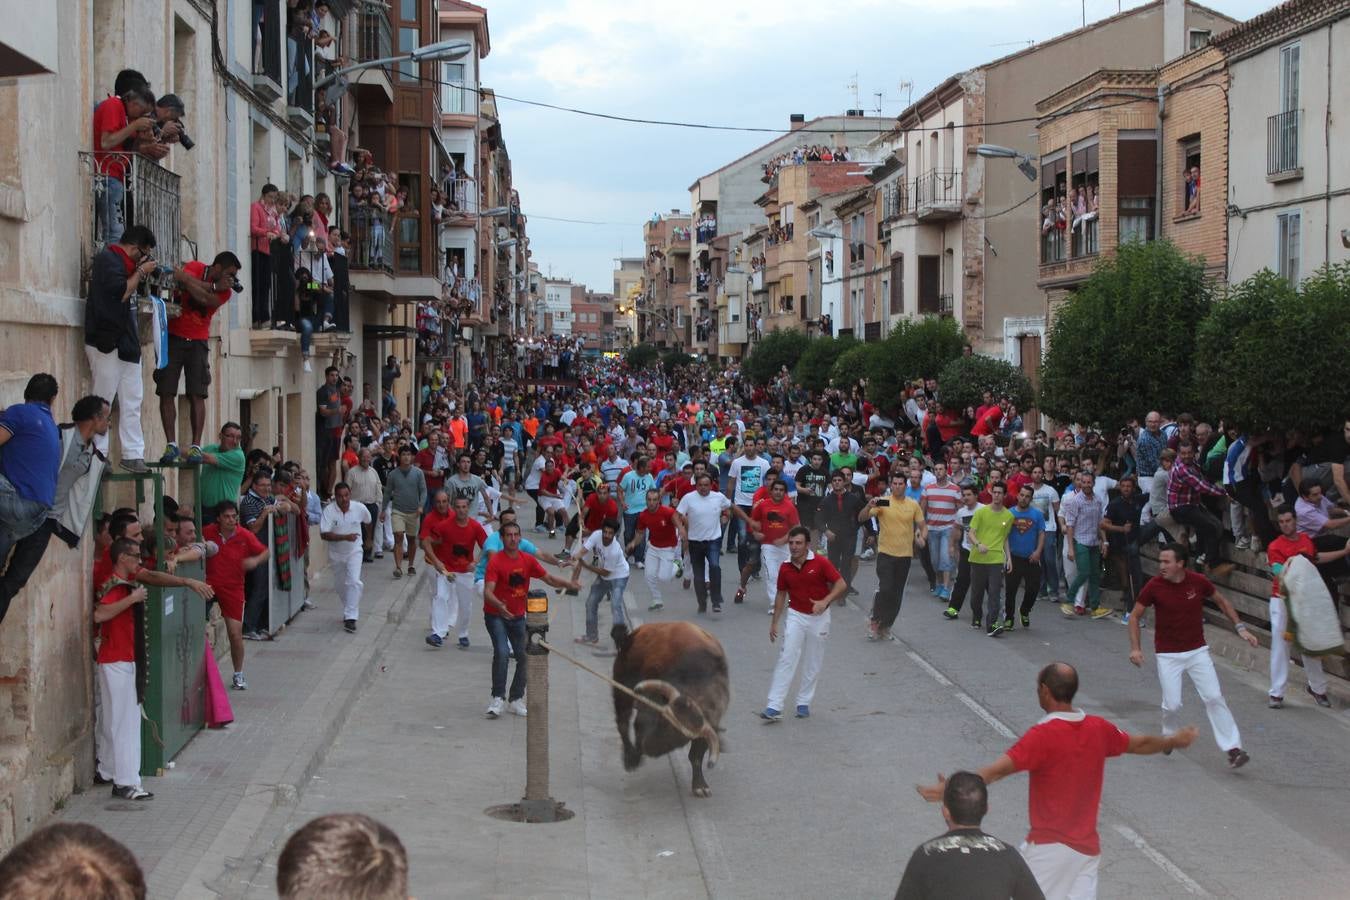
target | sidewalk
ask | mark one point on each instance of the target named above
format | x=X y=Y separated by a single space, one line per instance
x=227 y=783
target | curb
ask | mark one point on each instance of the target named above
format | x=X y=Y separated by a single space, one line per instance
x=258 y=822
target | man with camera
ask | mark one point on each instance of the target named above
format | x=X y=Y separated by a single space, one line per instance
x=117 y=122
x=112 y=340
x=166 y=128
x=202 y=290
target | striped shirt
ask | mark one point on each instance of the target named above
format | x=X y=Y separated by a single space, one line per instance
x=941 y=504
x=1147 y=448
x=1185 y=485
x=1082 y=512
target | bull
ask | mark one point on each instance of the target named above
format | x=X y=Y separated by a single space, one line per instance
x=682 y=668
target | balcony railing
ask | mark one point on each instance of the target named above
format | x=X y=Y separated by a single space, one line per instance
x=149 y=195
x=1052 y=246
x=461 y=201
x=946 y=305
x=376 y=37
x=300 y=80
x=372 y=243
x=1283 y=133
x=937 y=193
x=268 y=32
x=1085 y=236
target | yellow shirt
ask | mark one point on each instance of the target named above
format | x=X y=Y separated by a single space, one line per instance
x=897 y=523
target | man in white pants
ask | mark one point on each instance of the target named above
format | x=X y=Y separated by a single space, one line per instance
x=340 y=526
x=119 y=724
x=807 y=586
x=1178 y=597
x=657 y=524
x=771 y=519
x=452 y=547
x=1289 y=544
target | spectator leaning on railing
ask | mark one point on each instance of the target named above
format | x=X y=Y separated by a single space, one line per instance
x=112 y=341
x=117 y=121
x=202 y=290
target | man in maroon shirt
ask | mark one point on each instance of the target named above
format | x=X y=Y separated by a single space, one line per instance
x=1065 y=755
x=1179 y=597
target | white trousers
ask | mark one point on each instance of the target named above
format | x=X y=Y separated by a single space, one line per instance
x=660 y=567
x=803 y=638
x=452 y=604
x=1061 y=871
x=386 y=532
x=1199 y=666
x=119 y=724
x=1279 y=654
x=346 y=571
x=114 y=378
x=771 y=560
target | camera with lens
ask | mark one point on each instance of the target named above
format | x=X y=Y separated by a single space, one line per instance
x=236 y=286
x=157 y=130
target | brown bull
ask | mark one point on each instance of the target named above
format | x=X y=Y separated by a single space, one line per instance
x=684 y=669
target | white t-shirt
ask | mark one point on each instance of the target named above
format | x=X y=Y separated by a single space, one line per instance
x=963 y=517
x=790 y=466
x=536 y=469
x=606 y=556
x=509 y=450
x=747 y=476
x=704 y=514
x=832 y=446
x=335 y=521
x=1046 y=498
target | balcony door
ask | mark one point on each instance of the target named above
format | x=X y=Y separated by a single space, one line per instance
x=930 y=285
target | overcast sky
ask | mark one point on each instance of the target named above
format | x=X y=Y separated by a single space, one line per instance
x=726 y=62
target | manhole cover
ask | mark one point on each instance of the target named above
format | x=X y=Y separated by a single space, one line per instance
x=531 y=813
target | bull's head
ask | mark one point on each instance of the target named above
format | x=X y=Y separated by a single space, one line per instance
x=676 y=704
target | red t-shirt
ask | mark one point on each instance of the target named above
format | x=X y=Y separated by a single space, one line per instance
x=949 y=425
x=550 y=440
x=775 y=519
x=807 y=584
x=678 y=486
x=1014 y=483
x=426 y=461
x=597 y=512
x=663 y=442
x=430 y=521
x=1066 y=759
x=659 y=525
x=225 y=570
x=987 y=423
x=1282 y=549
x=1179 y=611
x=118 y=634
x=510 y=579
x=456 y=543
x=110 y=116
x=194 y=323
x=548 y=481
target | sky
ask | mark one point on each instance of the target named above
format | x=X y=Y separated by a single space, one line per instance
x=724 y=62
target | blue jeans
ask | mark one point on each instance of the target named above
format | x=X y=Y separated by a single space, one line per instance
x=940 y=549
x=1051 y=576
x=306 y=327
x=735 y=532
x=110 y=209
x=508 y=639
x=614 y=587
x=18 y=518
x=629 y=531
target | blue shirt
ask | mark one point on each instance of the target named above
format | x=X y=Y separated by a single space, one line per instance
x=1023 y=542
x=635 y=489
x=31 y=458
x=491 y=546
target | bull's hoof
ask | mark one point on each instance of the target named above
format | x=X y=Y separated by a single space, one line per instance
x=703 y=791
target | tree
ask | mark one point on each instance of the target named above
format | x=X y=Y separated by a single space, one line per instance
x=1270 y=355
x=914 y=349
x=675 y=359
x=854 y=364
x=964 y=380
x=816 y=364
x=1124 y=343
x=641 y=357
x=775 y=350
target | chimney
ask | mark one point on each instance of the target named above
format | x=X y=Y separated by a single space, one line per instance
x=1174 y=29
x=796 y=120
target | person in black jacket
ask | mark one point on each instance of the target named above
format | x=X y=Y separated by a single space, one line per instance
x=838 y=516
x=111 y=339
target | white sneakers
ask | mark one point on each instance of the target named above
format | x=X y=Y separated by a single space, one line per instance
x=517 y=707
x=494 y=710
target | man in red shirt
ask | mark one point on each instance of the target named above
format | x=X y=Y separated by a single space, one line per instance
x=657 y=524
x=598 y=507
x=239 y=552
x=116 y=121
x=202 y=290
x=506 y=585
x=807 y=586
x=433 y=461
x=1065 y=755
x=451 y=546
x=119 y=726
x=771 y=518
x=1289 y=544
x=1179 y=595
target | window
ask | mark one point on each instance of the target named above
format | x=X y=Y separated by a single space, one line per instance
x=1288 y=226
x=897 y=286
x=407 y=10
x=452 y=87
x=1054 y=216
x=1083 y=200
x=1189 y=157
x=1136 y=219
x=856 y=248
x=1289 y=57
x=1198 y=37
x=407 y=43
x=1136 y=179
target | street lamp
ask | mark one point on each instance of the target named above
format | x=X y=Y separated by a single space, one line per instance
x=1026 y=164
x=825 y=234
x=439 y=51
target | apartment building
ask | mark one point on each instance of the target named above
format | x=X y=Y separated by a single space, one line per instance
x=662 y=311
x=628 y=272
x=554 y=314
x=593 y=321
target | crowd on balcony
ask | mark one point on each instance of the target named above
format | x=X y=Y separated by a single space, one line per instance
x=706 y=228
x=798 y=156
x=1071 y=211
x=702 y=328
x=778 y=233
x=703 y=279
x=549 y=356
x=756 y=264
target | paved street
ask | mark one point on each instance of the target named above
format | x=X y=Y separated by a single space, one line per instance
x=823 y=807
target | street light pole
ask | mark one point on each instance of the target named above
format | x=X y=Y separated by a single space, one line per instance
x=439 y=51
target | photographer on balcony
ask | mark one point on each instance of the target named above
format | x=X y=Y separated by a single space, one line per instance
x=202 y=290
x=167 y=128
x=311 y=296
x=118 y=122
x=112 y=340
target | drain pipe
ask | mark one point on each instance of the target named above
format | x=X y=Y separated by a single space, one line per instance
x=1158 y=163
x=1326 y=140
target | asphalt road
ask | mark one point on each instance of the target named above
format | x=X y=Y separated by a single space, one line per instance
x=826 y=806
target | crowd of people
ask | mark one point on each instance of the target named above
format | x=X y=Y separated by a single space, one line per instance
x=807 y=153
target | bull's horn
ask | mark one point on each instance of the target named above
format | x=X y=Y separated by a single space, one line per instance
x=709 y=734
x=656 y=686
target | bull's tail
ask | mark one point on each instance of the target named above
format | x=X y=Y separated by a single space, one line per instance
x=621 y=636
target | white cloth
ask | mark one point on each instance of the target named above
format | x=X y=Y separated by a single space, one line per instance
x=803 y=638
x=335 y=521
x=771 y=560
x=606 y=556
x=114 y=378
x=347 y=581
x=386 y=540
x=660 y=567
x=1199 y=666
x=1279 y=655
x=452 y=604
x=119 y=726
x=1061 y=871
x=704 y=514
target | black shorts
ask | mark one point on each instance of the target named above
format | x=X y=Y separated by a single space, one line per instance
x=190 y=358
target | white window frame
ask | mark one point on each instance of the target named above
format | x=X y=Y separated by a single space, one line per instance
x=1191 y=34
x=1289 y=245
x=452 y=89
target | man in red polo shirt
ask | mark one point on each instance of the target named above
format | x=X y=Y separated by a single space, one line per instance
x=239 y=552
x=202 y=290
x=657 y=523
x=116 y=121
x=1065 y=754
x=452 y=546
x=119 y=725
x=807 y=586
x=771 y=518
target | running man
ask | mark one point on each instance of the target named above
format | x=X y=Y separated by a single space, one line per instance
x=451 y=547
x=341 y=526
x=664 y=551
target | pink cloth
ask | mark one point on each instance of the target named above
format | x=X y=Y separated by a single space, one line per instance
x=217 y=705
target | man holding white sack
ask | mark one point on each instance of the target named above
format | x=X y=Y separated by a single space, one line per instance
x=1289 y=544
x=341 y=527
x=657 y=524
x=1178 y=598
x=452 y=547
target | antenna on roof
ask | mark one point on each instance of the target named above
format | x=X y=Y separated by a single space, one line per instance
x=852 y=87
x=908 y=88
